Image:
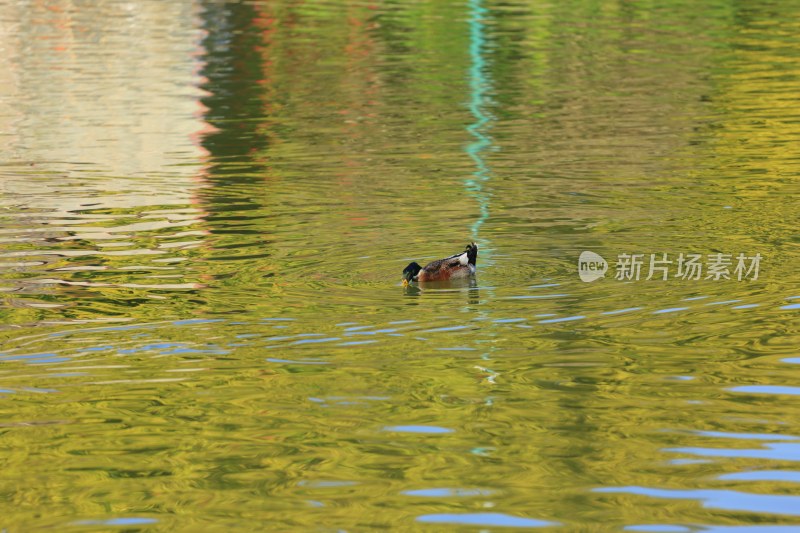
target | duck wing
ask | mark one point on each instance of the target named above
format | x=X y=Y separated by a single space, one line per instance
x=448 y=263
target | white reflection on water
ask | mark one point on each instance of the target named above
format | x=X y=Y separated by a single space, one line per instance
x=99 y=106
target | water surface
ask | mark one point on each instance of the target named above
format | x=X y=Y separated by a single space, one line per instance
x=206 y=207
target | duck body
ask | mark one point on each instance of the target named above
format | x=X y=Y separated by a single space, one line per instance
x=458 y=266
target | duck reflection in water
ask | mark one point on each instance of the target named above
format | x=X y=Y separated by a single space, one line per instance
x=442 y=288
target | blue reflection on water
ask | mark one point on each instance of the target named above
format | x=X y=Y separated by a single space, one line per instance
x=48 y=360
x=117 y=522
x=761 y=528
x=563 y=319
x=782 y=451
x=658 y=528
x=670 y=310
x=418 y=429
x=767 y=389
x=763 y=475
x=620 y=311
x=483 y=519
x=447 y=328
x=27 y=356
x=157 y=346
x=729 y=500
x=356 y=343
x=752 y=436
x=446 y=493
x=668 y=528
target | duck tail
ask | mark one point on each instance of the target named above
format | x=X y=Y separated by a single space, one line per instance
x=472 y=253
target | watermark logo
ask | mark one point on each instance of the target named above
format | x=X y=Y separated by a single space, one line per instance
x=691 y=266
x=591 y=266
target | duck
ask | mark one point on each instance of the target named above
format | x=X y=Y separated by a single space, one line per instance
x=458 y=266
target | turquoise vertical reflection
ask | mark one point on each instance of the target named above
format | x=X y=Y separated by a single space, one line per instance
x=479 y=85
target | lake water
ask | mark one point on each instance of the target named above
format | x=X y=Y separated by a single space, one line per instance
x=205 y=209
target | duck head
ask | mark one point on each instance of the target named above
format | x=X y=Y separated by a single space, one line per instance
x=410 y=272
